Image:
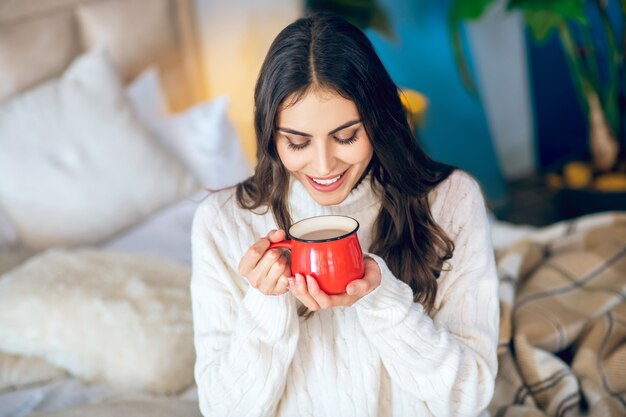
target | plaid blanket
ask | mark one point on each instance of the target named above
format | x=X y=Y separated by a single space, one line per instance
x=562 y=344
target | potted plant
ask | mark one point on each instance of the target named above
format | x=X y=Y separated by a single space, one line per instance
x=597 y=66
x=596 y=59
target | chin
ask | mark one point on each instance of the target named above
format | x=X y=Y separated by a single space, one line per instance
x=329 y=202
x=330 y=199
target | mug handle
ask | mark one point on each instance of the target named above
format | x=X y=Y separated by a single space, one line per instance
x=283 y=244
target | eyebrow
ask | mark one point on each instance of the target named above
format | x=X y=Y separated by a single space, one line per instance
x=308 y=135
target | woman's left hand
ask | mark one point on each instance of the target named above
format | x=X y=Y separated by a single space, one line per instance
x=310 y=294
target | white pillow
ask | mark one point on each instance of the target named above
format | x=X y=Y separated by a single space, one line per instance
x=203 y=137
x=147 y=98
x=101 y=315
x=76 y=165
x=166 y=234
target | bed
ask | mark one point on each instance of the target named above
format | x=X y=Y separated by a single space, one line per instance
x=109 y=140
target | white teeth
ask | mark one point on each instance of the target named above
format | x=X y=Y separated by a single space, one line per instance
x=327 y=182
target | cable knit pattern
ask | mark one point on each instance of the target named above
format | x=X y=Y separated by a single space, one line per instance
x=384 y=356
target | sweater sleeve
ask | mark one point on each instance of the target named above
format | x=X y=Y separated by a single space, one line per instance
x=449 y=361
x=244 y=339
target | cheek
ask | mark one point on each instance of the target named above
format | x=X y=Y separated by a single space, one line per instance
x=292 y=160
x=359 y=153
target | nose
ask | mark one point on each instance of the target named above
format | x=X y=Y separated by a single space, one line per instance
x=325 y=160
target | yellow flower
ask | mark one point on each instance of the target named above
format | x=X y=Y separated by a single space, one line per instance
x=415 y=103
x=615 y=181
x=577 y=174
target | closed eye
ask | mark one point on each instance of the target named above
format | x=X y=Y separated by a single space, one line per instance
x=296 y=146
x=343 y=140
x=347 y=141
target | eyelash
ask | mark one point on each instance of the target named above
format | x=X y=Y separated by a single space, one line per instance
x=347 y=141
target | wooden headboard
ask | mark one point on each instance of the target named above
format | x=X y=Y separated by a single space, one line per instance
x=40 y=38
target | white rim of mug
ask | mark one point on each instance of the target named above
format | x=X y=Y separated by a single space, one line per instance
x=356 y=227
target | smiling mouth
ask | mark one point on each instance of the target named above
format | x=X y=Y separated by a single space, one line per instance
x=327 y=184
x=327 y=181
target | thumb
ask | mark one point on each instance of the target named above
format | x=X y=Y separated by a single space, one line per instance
x=357 y=287
x=276 y=235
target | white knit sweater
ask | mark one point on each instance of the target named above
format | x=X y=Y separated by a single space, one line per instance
x=381 y=357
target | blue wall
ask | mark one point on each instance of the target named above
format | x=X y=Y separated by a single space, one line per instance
x=560 y=124
x=421 y=58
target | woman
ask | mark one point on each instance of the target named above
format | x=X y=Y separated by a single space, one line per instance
x=417 y=335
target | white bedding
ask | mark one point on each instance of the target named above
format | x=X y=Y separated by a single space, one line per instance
x=71 y=396
x=165 y=234
x=30 y=385
x=89 y=161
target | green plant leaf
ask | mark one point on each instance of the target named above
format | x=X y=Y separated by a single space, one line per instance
x=542 y=24
x=543 y=16
x=567 y=9
x=461 y=10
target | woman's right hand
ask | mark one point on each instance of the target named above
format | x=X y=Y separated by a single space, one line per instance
x=266 y=270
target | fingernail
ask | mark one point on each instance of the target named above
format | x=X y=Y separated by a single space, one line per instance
x=349 y=290
x=292 y=283
x=298 y=278
x=309 y=280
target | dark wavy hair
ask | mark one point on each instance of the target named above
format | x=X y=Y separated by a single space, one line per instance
x=325 y=51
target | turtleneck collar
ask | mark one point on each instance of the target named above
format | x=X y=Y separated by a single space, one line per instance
x=302 y=205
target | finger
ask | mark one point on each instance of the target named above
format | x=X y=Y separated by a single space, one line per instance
x=275 y=281
x=287 y=271
x=298 y=287
x=282 y=285
x=252 y=256
x=358 y=288
x=355 y=290
x=321 y=298
x=276 y=235
x=370 y=265
x=342 y=300
x=268 y=270
x=373 y=275
x=285 y=278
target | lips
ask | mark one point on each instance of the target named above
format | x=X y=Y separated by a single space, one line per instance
x=327 y=181
x=327 y=184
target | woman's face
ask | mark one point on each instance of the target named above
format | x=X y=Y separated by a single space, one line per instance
x=322 y=142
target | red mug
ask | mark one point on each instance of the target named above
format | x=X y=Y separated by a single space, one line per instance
x=327 y=248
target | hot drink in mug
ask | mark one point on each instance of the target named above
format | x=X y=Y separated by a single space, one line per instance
x=327 y=248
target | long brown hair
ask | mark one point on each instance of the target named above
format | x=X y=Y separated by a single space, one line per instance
x=328 y=52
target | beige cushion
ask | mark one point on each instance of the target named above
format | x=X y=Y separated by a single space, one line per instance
x=25 y=51
x=76 y=166
x=132 y=46
x=102 y=316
